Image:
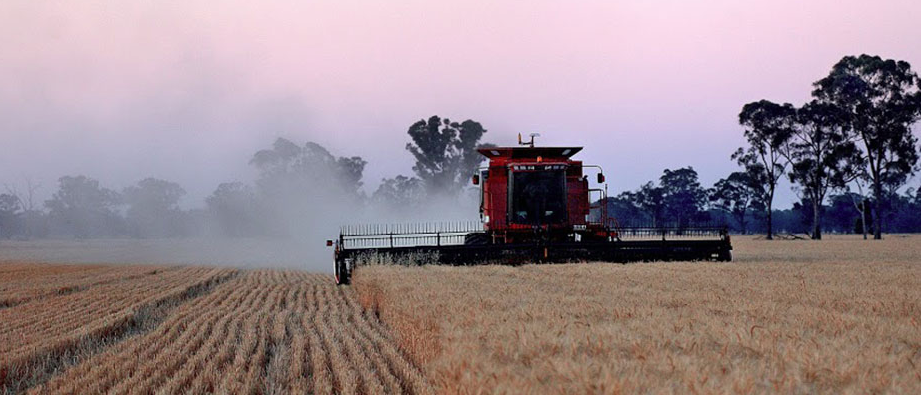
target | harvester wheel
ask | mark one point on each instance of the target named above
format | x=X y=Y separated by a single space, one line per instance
x=725 y=256
x=342 y=273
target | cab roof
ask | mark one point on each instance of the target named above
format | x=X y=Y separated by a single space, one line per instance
x=528 y=152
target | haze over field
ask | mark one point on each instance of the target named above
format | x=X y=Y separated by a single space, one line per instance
x=187 y=91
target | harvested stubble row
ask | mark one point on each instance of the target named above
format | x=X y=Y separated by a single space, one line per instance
x=263 y=332
x=15 y=270
x=22 y=285
x=35 y=335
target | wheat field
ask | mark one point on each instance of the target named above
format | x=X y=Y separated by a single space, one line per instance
x=793 y=316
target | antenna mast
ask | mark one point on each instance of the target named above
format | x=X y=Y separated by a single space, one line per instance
x=528 y=143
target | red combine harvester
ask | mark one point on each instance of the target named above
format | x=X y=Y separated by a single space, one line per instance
x=536 y=206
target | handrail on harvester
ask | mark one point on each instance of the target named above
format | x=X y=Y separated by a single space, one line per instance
x=455 y=233
x=407 y=234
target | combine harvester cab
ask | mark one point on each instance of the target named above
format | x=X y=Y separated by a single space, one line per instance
x=536 y=206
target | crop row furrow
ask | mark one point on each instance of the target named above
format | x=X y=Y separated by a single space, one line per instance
x=28 y=323
x=263 y=332
x=215 y=338
x=128 y=356
x=206 y=378
x=166 y=364
x=34 y=361
x=378 y=344
x=25 y=290
x=370 y=376
x=298 y=372
x=239 y=375
x=344 y=377
x=46 y=318
x=320 y=364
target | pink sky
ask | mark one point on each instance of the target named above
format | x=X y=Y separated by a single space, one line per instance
x=188 y=90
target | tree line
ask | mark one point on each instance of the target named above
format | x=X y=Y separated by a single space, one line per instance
x=298 y=186
x=678 y=199
x=855 y=133
x=848 y=152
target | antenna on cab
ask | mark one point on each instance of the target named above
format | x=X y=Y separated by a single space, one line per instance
x=529 y=143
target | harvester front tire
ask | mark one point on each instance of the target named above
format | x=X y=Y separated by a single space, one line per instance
x=342 y=273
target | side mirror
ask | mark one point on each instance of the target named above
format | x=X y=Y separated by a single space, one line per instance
x=476 y=179
x=329 y=243
x=600 y=178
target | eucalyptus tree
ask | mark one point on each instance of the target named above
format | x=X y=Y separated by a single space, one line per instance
x=445 y=153
x=822 y=156
x=768 y=129
x=736 y=195
x=881 y=100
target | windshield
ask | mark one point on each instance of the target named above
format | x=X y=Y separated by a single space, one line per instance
x=538 y=197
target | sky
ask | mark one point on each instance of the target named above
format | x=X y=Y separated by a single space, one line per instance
x=188 y=90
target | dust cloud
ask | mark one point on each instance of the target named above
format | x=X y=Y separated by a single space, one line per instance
x=281 y=218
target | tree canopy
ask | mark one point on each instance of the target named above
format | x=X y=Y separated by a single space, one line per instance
x=823 y=156
x=881 y=100
x=768 y=128
x=83 y=208
x=445 y=153
x=683 y=196
x=153 y=208
x=401 y=194
x=9 y=215
x=290 y=170
x=236 y=209
x=736 y=195
x=650 y=198
x=677 y=199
